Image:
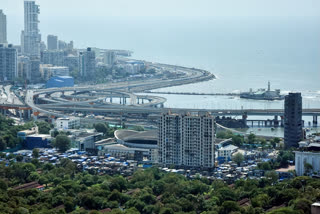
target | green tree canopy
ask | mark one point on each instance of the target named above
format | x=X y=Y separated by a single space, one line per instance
x=62 y=143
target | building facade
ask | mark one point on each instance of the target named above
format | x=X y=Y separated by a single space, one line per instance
x=60 y=82
x=293 y=132
x=310 y=157
x=53 y=57
x=35 y=70
x=24 y=68
x=30 y=37
x=48 y=71
x=109 y=57
x=52 y=42
x=187 y=140
x=8 y=63
x=68 y=123
x=87 y=63
x=3 y=28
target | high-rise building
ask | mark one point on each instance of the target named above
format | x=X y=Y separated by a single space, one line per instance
x=62 y=45
x=53 y=57
x=3 y=28
x=35 y=70
x=87 y=63
x=71 y=61
x=8 y=63
x=293 y=132
x=109 y=57
x=187 y=140
x=30 y=37
x=24 y=68
x=52 y=42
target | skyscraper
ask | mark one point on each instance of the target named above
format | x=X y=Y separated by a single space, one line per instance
x=293 y=120
x=8 y=63
x=109 y=57
x=24 y=68
x=187 y=140
x=52 y=42
x=30 y=37
x=87 y=63
x=53 y=57
x=3 y=28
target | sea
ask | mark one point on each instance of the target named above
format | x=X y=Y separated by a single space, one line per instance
x=242 y=52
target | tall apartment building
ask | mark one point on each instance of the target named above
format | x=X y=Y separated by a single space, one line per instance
x=109 y=57
x=53 y=57
x=293 y=132
x=186 y=140
x=87 y=63
x=52 y=42
x=8 y=63
x=30 y=37
x=24 y=68
x=35 y=70
x=3 y=28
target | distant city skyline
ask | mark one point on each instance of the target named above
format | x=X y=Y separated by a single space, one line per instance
x=104 y=10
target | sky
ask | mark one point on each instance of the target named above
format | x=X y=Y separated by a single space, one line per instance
x=102 y=8
x=55 y=12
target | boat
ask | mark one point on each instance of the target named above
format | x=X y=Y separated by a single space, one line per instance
x=263 y=94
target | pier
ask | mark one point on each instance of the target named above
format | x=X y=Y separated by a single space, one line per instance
x=193 y=93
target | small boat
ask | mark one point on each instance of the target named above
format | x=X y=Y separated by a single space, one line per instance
x=272 y=129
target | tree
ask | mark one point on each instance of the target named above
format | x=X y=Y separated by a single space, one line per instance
x=35 y=153
x=272 y=175
x=62 y=143
x=308 y=168
x=101 y=127
x=43 y=127
x=228 y=207
x=19 y=158
x=251 y=138
x=237 y=140
x=238 y=158
x=264 y=166
x=3 y=144
x=275 y=141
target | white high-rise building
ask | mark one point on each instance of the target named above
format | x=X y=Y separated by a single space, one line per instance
x=3 y=28
x=30 y=37
x=187 y=140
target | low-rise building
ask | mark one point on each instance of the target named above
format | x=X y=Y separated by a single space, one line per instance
x=68 y=123
x=48 y=71
x=225 y=153
x=37 y=141
x=23 y=134
x=307 y=154
x=86 y=141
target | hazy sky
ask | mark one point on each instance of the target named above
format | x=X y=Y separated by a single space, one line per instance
x=54 y=13
x=169 y=7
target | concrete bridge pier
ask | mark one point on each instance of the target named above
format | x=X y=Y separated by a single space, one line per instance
x=138 y=102
x=244 y=118
x=20 y=115
x=276 y=121
x=315 y=120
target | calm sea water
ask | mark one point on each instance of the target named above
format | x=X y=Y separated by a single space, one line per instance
x=242 y=52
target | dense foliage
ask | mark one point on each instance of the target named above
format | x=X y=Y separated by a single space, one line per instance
x=151 y=191
x=8 y=132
